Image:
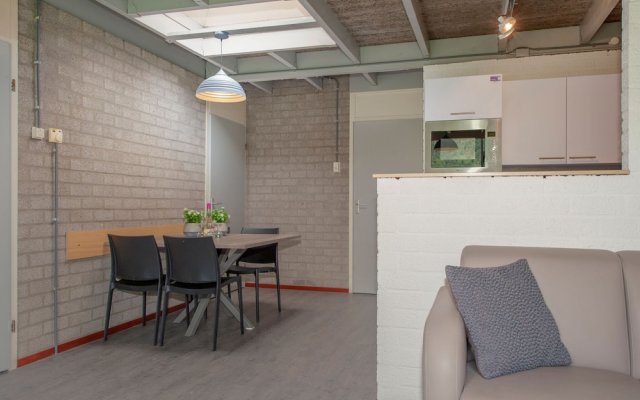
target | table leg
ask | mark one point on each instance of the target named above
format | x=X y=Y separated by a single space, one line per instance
x=183 y=314
x=226 y=260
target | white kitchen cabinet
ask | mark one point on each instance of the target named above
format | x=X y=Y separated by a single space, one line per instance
x=574 y=120
x=593 y=119
x=467 y=97
x=534 y=122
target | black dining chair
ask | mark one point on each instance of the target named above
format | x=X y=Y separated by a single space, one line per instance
x=192 y=269
x=135 y=267
x=259 y=260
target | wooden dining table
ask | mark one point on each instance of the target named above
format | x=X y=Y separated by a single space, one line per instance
x=232 y=246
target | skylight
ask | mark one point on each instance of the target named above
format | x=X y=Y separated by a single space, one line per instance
x=260 y=42
x=254 y=28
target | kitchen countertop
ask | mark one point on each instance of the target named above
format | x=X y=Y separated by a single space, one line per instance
x=502 y=173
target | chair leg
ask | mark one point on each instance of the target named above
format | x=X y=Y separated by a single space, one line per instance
x=240 y=306
x=155 y=331
x=165 y=306
x=144 y=308
x=278 y=285
x=217 y=317
x=186 y=303
x=229 y=286
x=257 y=273
x=107 y=316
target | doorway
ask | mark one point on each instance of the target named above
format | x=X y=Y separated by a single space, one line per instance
x=5 y=206
x=389 y=146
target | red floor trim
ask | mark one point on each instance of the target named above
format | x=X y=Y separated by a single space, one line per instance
x=297 y=287
x=89 y=338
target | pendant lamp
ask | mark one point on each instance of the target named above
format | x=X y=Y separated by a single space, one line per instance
x=220 y=88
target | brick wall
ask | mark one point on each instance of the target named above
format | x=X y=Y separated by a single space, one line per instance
x=290 y=183
x=423 y=224
x=133 y=155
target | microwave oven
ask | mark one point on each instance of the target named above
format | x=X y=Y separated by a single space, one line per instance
x=471 y=145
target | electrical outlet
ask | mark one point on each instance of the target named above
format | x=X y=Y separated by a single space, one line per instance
x=336 y=167
x=37 y=133
x=55 y=135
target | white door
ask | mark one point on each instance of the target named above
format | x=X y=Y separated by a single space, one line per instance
x=5 y=206
x=392 y=146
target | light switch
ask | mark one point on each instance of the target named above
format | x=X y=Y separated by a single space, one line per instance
x=336 y=167
x=55 y=135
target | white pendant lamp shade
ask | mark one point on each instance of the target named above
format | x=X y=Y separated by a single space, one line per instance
x=220 y=88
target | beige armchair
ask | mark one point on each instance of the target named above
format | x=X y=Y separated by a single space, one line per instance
x=594 y=295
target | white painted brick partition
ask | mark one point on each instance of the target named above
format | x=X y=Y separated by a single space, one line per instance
x=423 y=224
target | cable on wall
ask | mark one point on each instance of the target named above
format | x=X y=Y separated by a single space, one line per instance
x=337 y=120
x=54 y=167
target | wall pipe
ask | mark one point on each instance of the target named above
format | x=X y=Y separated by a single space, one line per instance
x=337 y=113
x=54 y=168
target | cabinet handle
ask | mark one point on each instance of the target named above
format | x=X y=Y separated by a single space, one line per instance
x=550 y=158
x=583 y=158
x=463 y=113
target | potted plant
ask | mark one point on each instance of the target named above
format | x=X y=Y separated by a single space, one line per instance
x=220 y=217
x=192 y=222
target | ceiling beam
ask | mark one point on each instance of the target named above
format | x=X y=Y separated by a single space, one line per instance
x=413 y=9
x=371 y=77
x=394 y=66
x=327 y=19
x=266 y=87
x=229 y=64
x=208 y=32
x=595 y=17
x=143 y=7
x=286 y=58
x=315 y=82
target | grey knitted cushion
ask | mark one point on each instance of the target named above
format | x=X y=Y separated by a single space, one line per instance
x=508 y=324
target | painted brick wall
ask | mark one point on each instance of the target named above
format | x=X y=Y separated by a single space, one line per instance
x=290 y=183
x=133 y=155
x=423 y=224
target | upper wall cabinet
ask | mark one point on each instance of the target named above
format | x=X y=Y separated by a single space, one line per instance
x=593 y=119
x=534 y=122
x=467 y=97
x=573 y=120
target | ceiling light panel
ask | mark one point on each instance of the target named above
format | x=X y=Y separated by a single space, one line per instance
x=246 y=16
x=261 y=42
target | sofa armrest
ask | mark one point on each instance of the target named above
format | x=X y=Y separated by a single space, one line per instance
x=445 y=349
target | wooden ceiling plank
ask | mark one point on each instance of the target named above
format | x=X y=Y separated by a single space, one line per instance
x=265 y=86
x=286 y=58
x=413 y=8
x=371 y=77
x=315 y=82
x=328 y=20
x=595 y=17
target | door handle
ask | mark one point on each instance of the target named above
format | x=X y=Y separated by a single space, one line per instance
x=360 y=205
x=550 y=158
x=583 y=158
x=463 y=113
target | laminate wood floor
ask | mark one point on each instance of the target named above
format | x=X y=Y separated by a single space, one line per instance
x=321 y=347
